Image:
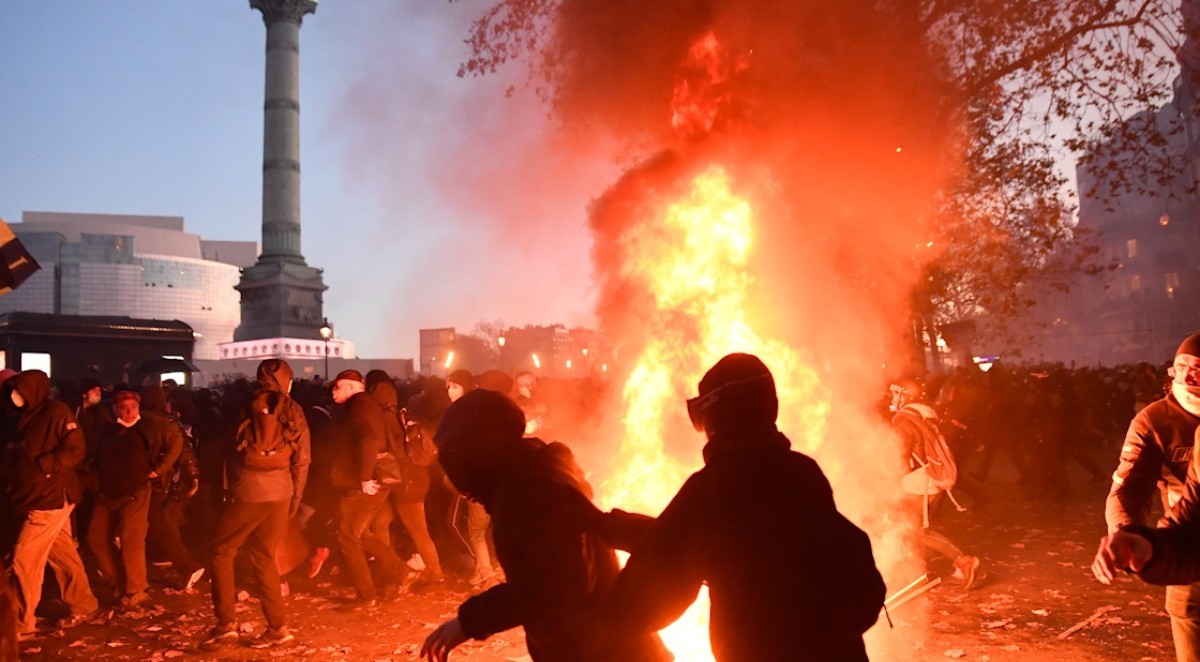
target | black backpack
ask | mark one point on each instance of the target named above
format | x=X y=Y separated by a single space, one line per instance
x=417 y=446
x=268 y=438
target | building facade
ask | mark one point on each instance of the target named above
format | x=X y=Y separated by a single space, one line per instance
x=145 y=267
x=1143 y=308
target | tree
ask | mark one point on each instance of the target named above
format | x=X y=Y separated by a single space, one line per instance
x=1016 y=81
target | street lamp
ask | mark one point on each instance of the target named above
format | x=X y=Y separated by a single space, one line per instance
x=501 y=342
x=326 y=332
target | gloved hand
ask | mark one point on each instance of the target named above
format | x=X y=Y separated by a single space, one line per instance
x=370 y=487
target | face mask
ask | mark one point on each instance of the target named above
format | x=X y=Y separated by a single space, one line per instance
x=129 y=424
x=1188 y=397
x=18 y=399
x=525 y=391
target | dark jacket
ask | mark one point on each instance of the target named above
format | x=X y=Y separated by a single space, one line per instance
x=414 y=478
x=1154 y=458
x=788 y=575
x=49 y=446
x=126 y=456
x=1176 y=557
x=557 y=567
x=363 y=438
x=261 y=486
x=556 y=564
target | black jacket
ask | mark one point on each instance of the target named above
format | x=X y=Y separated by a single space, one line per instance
x=788 y=575
x=126 y=456
x=556 y=563
x=42 y=460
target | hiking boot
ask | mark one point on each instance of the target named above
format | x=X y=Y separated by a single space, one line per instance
x=317 y=560
x=219 y=637
x=132 y=600
x=968 y=567
x=193 y=579
x=280 y=636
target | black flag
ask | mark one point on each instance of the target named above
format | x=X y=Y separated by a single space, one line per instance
x=16 y=264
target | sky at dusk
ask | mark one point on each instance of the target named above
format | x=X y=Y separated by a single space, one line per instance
x=429 y=200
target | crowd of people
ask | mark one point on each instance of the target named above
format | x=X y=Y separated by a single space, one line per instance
x=279 y=475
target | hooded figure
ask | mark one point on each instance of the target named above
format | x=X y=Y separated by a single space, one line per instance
x=43 y=488
x=51 y=447
x=788 y=575
x=558 y=569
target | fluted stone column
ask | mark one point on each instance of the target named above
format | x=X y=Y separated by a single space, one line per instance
x=281 y=295
x=281 y=128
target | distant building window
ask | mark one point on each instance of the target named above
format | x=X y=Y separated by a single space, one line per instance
x=35 y=361
x=1135 y=284
x=1172 y=284
x=1131 y=248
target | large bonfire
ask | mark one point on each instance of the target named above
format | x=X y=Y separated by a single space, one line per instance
x=686 y=279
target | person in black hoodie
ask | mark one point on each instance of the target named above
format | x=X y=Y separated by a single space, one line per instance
x=789 y=577
x=557 y=564
x=132 y=453
x=43 y=487
x=260 y=503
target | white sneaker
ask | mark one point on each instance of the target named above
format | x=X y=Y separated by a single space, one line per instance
x=193 y=578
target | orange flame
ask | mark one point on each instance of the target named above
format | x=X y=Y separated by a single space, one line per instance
x=694 y=264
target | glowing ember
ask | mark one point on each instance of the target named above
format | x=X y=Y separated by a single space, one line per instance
x=694 y=263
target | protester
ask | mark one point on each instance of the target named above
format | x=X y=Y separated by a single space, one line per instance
x=789 y=577
x=43 y=488
x=407 y=490
x=557 y=568
x=364 y=497
x=1155 y=458
x=479 y=522
x=932 y=473
x=266 y=471
x=133 y=453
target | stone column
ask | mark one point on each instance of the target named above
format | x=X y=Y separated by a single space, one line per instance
x=282 y=296
x=281 y=129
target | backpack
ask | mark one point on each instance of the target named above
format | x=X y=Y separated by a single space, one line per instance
x=267 y=439
x=417 y=446
x=933 y=465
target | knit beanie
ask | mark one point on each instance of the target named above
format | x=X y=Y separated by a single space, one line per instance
x=1189 y=346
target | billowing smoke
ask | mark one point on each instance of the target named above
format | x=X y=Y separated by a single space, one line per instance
x=832 y=121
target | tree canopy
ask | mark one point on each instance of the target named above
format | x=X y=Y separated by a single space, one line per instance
x=1021 y=84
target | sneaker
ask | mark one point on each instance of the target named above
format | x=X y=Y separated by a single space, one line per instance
x=91 y=617
x=132 y=600
x=481 y=578
x=968 y=567
x=220 y=636
x=357 y=604
x=193 y=579
x=318 y=559
x=274 y=637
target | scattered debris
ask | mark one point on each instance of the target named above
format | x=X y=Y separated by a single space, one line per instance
x=1099 y=613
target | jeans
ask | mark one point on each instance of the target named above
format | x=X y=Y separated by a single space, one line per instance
x=478 y=522
x=358 y=536
x=127 y=517
x=45 y=536
x=1183 y=605
x=260 y=526
x=412 y=516
x=166 y=515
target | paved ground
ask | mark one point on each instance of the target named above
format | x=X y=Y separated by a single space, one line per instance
x=1038 y=585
